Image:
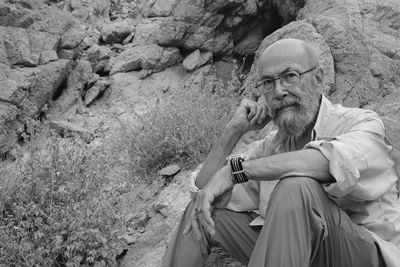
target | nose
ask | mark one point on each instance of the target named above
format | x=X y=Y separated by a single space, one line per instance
x=279 y=90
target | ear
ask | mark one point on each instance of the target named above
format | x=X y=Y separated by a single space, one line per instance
x=319 y=76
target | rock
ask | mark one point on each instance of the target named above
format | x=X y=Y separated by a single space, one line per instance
x=359 y=34
x=171 y=202
x=139 y=94
x=161 y=31
x=8 y=114
x=249 y=43
x=72 y=38
x=149 y=191
x=170 y=170
x=116 y=31
x=37 y=84
x=157 y=8
x=65 y=128
x=197 y=59
x=71 y=92
x=94 y=91
x=16 y=83
x=88 y=10
x=97 y=53
x=145 y=57
x=27 y=47
x=129 y=38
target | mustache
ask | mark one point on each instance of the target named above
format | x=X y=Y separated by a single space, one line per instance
x=276 y=105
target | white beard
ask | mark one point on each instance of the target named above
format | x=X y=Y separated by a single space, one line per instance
x=293 y=122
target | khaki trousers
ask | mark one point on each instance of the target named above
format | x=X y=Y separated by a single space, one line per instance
x=303 y=227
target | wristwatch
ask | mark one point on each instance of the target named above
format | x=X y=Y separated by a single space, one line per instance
x=235 y=162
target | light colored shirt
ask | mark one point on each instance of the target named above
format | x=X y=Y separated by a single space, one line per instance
x=354 y=142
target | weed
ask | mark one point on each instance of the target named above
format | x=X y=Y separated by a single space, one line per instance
x=59 y=209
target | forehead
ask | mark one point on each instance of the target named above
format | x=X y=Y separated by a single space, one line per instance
x=277 y=59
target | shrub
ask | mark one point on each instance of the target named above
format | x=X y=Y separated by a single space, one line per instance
x=59 y=208
x=181 y=129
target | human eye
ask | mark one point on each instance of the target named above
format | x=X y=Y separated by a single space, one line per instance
x=268 y=82
x=290 y=77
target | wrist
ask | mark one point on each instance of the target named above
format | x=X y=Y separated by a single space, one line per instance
x=237 y=173
x=235 y=127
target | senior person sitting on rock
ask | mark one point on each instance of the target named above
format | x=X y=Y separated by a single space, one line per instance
x=320 y=191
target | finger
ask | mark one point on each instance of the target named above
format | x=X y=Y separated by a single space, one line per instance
x=196 y=228
x=188 y=227
x=253 y=111
x=263 y=116
x=254 y=96
x=257 y=116
x=207 y=222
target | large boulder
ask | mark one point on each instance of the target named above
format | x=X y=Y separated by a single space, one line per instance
x=38 y=16
x=24 y=47
x=38 y=84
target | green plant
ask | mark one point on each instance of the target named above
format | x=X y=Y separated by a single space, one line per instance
x=180 y=129
x=59 y=207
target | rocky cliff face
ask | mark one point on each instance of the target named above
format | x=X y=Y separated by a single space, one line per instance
x=67 y=56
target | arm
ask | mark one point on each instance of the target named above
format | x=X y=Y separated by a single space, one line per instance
x=308 y=162
x=250 y=115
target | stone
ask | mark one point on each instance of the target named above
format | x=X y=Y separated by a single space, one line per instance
x=359 y=34
x=48 y=81
x=116 y=31
x=157 y=8
x=170 y=170
x=129 y=38
x=197 y=59
x=8 y=114
x=97 y=53
x=66 y=128
x=249 y=43
x=93 y=92
x=27 y=47
x=145 y=57
x=72 y=38
x=73 y=87
x=16 y=83
x=161 y=31
x=88 y=10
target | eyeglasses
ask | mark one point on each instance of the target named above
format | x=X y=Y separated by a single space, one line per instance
x=288 y=79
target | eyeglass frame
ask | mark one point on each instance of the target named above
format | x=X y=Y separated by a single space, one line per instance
x=260 y=83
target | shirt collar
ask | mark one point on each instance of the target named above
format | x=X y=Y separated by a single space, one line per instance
x=322 y=117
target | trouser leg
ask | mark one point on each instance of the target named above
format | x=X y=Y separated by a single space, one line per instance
x=303 y=227
x=232 y=233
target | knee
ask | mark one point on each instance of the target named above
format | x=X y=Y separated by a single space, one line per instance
x=293 y=195
x=292 y=185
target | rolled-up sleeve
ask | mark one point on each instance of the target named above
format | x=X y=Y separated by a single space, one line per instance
x=358 y=160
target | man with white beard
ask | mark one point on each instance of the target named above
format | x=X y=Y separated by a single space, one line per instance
x=320 y=191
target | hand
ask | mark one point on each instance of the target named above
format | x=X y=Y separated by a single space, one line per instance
x=252 y=113
x=216 y=193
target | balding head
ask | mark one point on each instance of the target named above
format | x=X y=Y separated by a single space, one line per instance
x=289 y=51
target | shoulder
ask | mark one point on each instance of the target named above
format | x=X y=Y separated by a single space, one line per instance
x=356 y=119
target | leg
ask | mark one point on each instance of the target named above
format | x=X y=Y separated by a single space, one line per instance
x=304 y=227
x=232 y=233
